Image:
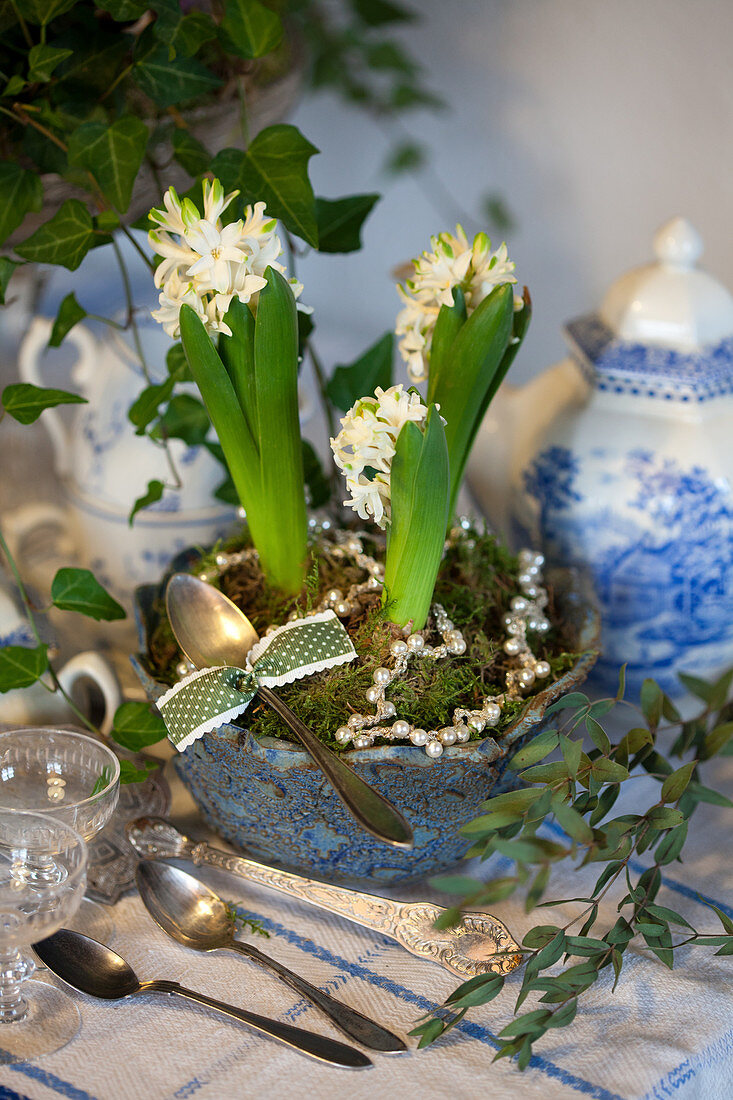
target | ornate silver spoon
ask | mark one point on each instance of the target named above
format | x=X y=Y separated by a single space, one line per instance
x=478 y=944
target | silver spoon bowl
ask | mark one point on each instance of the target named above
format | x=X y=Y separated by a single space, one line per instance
x=196 y=917
x=211 y=631
x=92 y=968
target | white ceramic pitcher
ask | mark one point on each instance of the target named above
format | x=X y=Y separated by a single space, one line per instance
x=105 y=466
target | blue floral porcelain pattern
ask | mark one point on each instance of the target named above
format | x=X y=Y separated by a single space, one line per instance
x=647 y=370
x=657 y=539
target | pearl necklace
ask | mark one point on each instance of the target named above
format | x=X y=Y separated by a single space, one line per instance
x=527 y=615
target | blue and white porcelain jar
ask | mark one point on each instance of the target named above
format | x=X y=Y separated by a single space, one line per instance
x=620 y=460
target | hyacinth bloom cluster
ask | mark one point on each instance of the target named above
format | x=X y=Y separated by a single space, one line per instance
x=367 y=441
x=205 y=263
x=452 y=263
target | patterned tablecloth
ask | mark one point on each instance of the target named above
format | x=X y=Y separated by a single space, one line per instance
x=661 y=1034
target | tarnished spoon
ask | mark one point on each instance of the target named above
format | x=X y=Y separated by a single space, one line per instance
x=211 y=631
x=196 y=917
x=93 y=968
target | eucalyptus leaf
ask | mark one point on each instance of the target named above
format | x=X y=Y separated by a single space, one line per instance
x=79 y=590
x=25 y=402
x=21 y=666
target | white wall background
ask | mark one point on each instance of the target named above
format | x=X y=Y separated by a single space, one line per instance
x=597 y=121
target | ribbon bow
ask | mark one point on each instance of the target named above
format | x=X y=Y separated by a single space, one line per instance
x=206 y=699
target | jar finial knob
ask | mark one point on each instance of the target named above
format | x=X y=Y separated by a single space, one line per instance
x=678 y=243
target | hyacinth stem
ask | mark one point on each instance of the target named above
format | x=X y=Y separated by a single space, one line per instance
x=251 y=394
x=420 y=485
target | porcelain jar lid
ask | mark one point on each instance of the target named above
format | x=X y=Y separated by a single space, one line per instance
x=663 y=330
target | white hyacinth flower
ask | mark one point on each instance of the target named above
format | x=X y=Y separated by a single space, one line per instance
x=368 y=440
x=453 y=262
x=205 y=263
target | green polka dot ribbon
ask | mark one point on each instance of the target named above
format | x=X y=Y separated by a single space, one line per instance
x=206 y=699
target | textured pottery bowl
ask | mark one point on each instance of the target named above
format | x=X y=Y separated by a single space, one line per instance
x=267 y=798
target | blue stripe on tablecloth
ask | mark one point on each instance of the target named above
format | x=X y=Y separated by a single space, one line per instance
x=469 y=1028
x=717 y=1052
x=8 y=1094
x=51 y=1081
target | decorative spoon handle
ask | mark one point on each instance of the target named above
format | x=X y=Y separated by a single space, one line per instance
x=479 y=943
x=353 y=1023
x=317 y=1046
x=373 y=812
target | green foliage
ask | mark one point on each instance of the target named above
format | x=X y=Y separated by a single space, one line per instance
x=340 y=220
x=113 y=154
x=578 y=789
x=22 y=192
x=420 y=483
x=249 y=29
x=152 y=495
x=25 y=402
x=69 y=314
x=136 y=726
x=64 y=239
x=374 y=368
x=79 y=590
x=21 y=666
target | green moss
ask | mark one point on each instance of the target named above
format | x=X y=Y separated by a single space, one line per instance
x=475 y=585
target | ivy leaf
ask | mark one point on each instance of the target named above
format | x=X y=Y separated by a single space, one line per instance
x=124 y=11
x=152 y=494
x=42 y=60
x=249 y=29
x=79 y=590
x=319 y=490
x=22 y=191
x=69 y=314
x=113 y=154
x=340 y=221
x=25 y=402
x=21 y=666
x=64 y=239
x=186 y=418
x=183 y=34
x=675 y=784
x=130 y=773
x=374 y=368
x=169 y=82
x=375 y=13
x=145 y=407
x=406 y=157
x=274 y=169
x=190 y=153
x=136 y=726
x=7 y=267
x=43 y=11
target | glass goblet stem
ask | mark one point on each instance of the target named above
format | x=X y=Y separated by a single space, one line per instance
x=14 y=969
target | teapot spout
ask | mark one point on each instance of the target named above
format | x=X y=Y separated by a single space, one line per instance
x=517 y=417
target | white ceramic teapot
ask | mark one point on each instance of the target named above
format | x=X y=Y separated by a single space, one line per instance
x=105 y=466
x=620 y=459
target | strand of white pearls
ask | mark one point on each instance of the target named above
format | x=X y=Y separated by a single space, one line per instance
x=527 y=614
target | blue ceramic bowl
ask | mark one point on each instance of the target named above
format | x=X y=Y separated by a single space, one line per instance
x=266 y=797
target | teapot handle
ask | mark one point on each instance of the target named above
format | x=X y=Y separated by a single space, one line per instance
x=92 y=666
x=30 y=369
